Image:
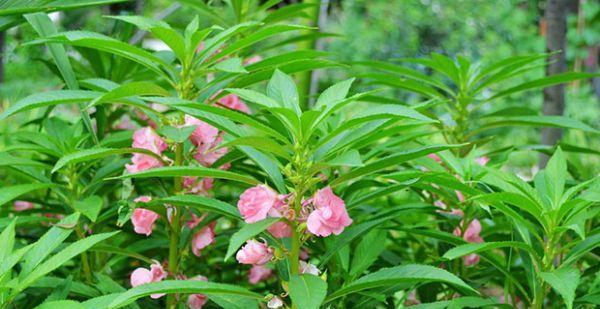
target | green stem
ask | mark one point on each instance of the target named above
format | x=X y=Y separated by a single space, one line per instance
x=85 y=263
x=175 y=229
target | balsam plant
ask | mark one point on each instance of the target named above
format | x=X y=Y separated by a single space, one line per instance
x=178 y=179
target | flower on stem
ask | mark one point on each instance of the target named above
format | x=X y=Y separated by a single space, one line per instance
x=254 y=253
x=142 y=276
x=22 y=205
x=308 y=268
x=274 y=303
x=203 y=238
x=196 y=301
x=143 y=220
x=330 y=215
x=232 y=101
x=258 y=273
x=471 y=234
x=256 y=202
x=146 y=138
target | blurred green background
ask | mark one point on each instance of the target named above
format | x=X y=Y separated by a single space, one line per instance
x=481 y=30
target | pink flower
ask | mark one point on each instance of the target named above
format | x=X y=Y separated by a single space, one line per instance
x=258 y=273
x=203 y=238
x=22 y=205
x=435 y=157
x=280 y=230
x=146 y=138
x=142 y=276
x=460 y=196
x=143 y=199
x=482 y=160
x=232 y=101
x=193 y=185
x=255 y=203
x=254 y=253
x=141 y=162
x=252 y=60
x=330 y=214
x=275 y=303
x=125 y=124
x=471 y=234
x=204 y=135
x=307 y=268
x=196 y=301
x=194 y=221
x=143 y=220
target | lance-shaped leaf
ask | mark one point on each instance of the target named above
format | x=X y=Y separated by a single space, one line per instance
x=9 y=193
x=180 y=286
x=201 y=203
x=246 y=232
x=402 y=274
x=98 y=153
x=467 y=249
x=49 y=98
x=181 y=171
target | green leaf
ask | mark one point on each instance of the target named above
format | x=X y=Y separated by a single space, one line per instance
x=334 y=94
x=61 y=304
x=564 y=281
x=7 y=239
x=307 y=291
x=177 y=134
x=49 y=242
x=543 y=83
x=9 y=193
x=254 y=97
x=411 y=273
x=97 y=153
x=180 y=171
x=282 y=89
x=349 y=158
x=246 y=232
x=89 y=207
x=130 y=90
x=60 y=258
x=367 y=251
x=261 y=143
x=49 y=98
x=202 y=203
x=231 y=65
x=393 y=160
x=467 y=249
x=180 y=286
x=555 y=177
x=541 y=121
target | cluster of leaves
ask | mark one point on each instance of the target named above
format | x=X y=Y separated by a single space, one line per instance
x=374 y=151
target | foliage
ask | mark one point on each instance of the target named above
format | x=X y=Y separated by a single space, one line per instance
x=120 y=186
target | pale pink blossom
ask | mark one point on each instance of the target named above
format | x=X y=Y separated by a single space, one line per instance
x=143 y=220
x=198 y=186
x=125 y=123
x=252 y=60
x=280 y=230
x=141 y=162
x=143 y=199
x=460 y=196
x=196 y=301
x=147 y=139
x=258 y=273
x=308 y=268
x=232 y=101
x=471 y=234
x=203 y=238
x=255 y=203
x=435 y=157
x=22 y=205
x=204 y=134
x=482 y=160
x=330 y=215
x=142 y=276
x=194 y=221
x=275 y=303
x=254 y=253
